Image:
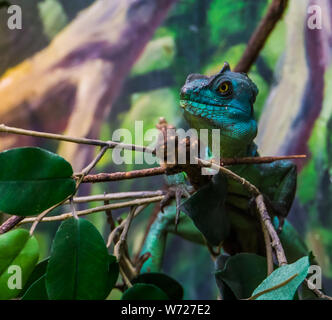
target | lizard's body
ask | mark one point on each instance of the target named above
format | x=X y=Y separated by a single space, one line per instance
x=225 y=101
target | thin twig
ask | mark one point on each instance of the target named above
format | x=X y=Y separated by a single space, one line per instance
x=109 y=215
x=276 y=243
x=113 y=206
x=119 y=228
x=94 y=162
x=252 y=160
x=118 y=196
x=125 y=278
x=118 y=249
x=116 y=176
x=41 y=216
x=78 y=182
x=268 y=248
x=73 y=209
x=94 y=142
x=317 y=292
x=209 y=164
x=121 y=249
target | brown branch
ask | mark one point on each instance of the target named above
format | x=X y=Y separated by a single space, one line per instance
x=261 y=34
x=10 y=223
x=251 y=160
x=60 y=137
x=112 y=206
x=317 y=292
x=266 y=219
x=118 y=196
x=268 y=248
x=116 y=176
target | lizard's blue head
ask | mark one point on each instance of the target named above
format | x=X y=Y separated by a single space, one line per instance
x=223 y=101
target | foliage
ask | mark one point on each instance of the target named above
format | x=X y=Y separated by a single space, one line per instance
x=196 y=37
x=32 y=180
x=80 y=267
x=20 y=250
x=79 y=264
x=288 y=276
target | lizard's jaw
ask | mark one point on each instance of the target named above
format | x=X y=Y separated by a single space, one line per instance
x=212 y=111
x=237 y=129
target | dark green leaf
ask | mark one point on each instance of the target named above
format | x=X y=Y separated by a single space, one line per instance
x=293 y=244
x=241 y=273
x=17 y=248
x=79 y=263
x=32 y=180
x=37 y=291
x=143 y=291
x=225 y=291
x=113 y=272
x=170 y=286
x=37 y=273
x=207 y=209
x=298 y=270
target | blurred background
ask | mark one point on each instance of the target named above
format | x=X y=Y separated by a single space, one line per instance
x=85 y=68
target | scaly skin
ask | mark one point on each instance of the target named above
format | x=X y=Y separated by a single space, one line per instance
x=225 y=101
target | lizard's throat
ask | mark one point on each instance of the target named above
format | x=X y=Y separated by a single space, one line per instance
x=226 y=139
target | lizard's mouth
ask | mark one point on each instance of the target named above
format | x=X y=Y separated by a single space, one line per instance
x=206 y=109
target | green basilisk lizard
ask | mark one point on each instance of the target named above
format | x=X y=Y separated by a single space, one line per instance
x=221 y=212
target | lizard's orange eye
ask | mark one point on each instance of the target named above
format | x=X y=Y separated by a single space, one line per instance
x=225 y=88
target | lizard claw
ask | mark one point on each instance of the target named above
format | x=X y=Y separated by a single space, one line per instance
x=169 y=196
x=274 y=209
x=176 y=192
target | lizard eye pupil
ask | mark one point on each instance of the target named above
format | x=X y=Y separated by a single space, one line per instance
x=225 y=88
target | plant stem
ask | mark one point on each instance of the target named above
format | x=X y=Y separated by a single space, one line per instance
x=113 y=206
x=94 y=142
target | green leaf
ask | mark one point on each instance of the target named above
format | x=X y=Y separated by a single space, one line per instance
x=206 y=208
x=37 y=291
x=167 y=284
x=32 y=180
x=79 y=263
x=143 y=291
x=292 y=275
x=17 y=250
x=113 y=272
x=291 y=241
x=37 y=273
x=241 y=273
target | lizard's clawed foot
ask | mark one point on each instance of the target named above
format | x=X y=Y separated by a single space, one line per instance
x=273 y=210
x=176 y=192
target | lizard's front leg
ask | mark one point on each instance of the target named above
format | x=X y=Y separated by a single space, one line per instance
x=280 y=202
x=156 y=240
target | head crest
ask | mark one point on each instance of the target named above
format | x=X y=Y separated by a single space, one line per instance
x=225 y=67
